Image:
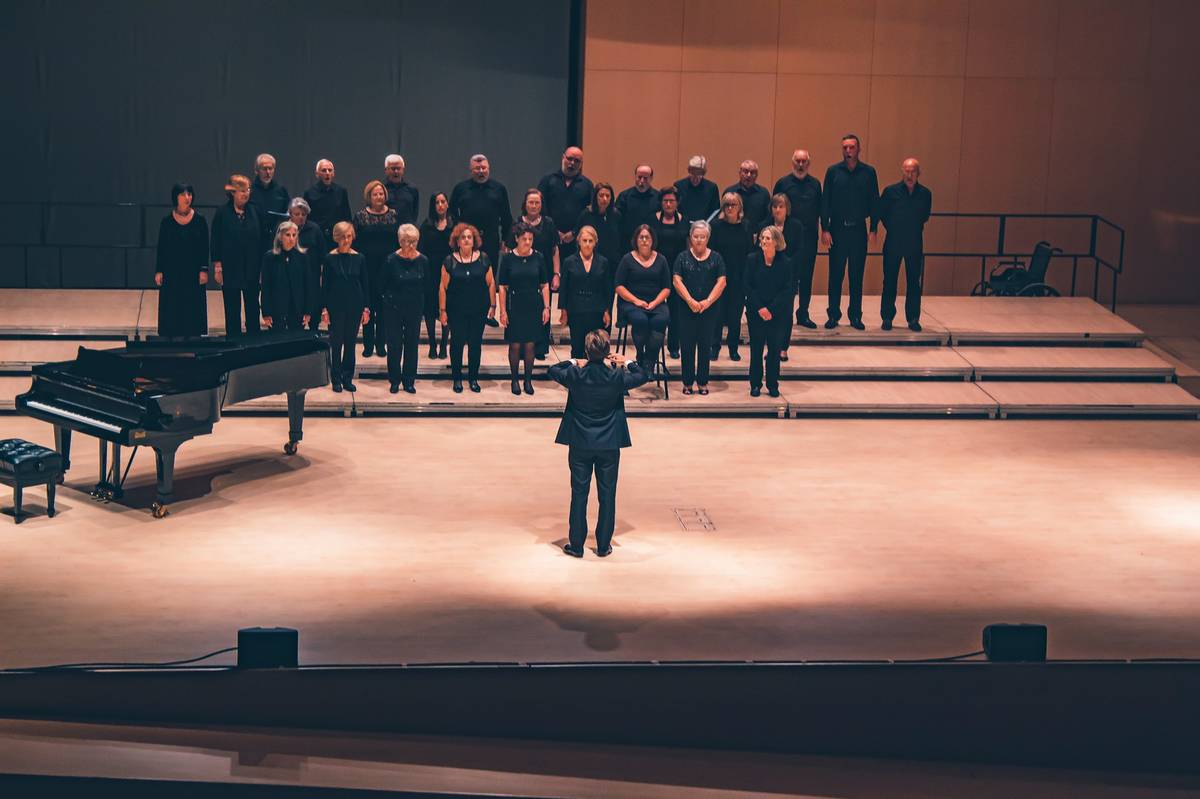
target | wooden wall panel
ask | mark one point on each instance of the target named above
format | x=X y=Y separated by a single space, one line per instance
x=1005 y=144
x=1014 y=39
x=920 y=37
x=726 y=139
x=631 y=117
x=813 y=113
x=634 y=35
x=817 y=37
x=1103 y=39
x=919 y=118
x=711 y=44
x=1173 y=41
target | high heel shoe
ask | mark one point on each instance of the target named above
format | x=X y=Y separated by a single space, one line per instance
x=516 y=388
x=474 y=386
x=528 y=386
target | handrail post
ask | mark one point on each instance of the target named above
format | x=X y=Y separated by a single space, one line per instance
x=1074 y=272
x=1000 y=236
x=1092 y=246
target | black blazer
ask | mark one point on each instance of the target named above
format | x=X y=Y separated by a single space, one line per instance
x=287 y=284
x=595 y=414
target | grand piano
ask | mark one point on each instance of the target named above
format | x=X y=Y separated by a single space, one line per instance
x=160 y=393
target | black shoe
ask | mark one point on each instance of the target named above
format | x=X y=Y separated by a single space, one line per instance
x=806 y=322
x=491 y=323
x=857 y=324
x=368 y=352
x=716 y=354
x=337 y=388
x=674 y=354
x=734 y=355
x=432 y=352
x=474 y=386
x=541 y=356
x=570 y=550
x=394 y=388
x=457 y=386
x=831 y=324
x=603 y=553
x=441 y=353
x=350 y=387
x=381 y=352
x=528 y=387
x=887 y=325
x=799 y=316
x=774 y=392
x=755 y=391
x=409 y=388
x=914 y=327
x=516 y=388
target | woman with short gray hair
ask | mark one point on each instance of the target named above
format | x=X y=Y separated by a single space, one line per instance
x=402 y=295
x=699 y=279
x=313 y=241
x=288 y=296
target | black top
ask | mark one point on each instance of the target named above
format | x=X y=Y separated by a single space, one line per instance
x=484 y=205
x=793 y=236
x=644 y=282
x=467 y=292
x=313 y=240
x=805 y=196
x=287 y=290
x=586 y=290
x=563 y=202
x=595 y=414
x=733 y=241
x=636 y=208
x=237 y=245
x=435 y=245
x=328 y=205
x=375 y=236
x=404 y=199
x=850 y=196
x=699 y=277
x=344 y=282
x=271 y=203
x=769 y=287
x=524 y=276
x=904 y=214
x=756 y=204
x=545 y=240
x=609 y=240
x=697 y=202
x=672 y=237
x=182 y=250
x=402 y=282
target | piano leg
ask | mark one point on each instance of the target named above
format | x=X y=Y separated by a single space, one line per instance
x=62 y=443
x=109 y=487
x=295 y=401
x=164 y=462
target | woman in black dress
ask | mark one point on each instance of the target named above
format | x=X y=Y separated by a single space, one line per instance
x=699 y=278
x=672 y=233
x=375 y=231
x=312 y=241
x=466 y=297
x=287 y=290
x=524 y=302
x=545 y=241
x=781 y=210
x=585 y=293
x=344 y=292
x=236 y=251
x=181 y=268
x=435 y=245
x=604 y=218
x=733 y=241
x=643 y=284
x=769 y=286
x=402 y=289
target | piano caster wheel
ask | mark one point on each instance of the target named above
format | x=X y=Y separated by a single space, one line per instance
x=290 y=448
x=159 y=510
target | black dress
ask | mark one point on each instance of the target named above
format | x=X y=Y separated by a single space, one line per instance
x=467 y=301
x=585 y=294
x=375 y=238
x=524 y=276
x=734 y=242
x=287 y=293
x=182 y=255
x=672 y=240
x=434 y=245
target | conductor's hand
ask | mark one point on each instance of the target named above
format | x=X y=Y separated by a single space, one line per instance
x=764 y=314
x=618 y=359
x=325 y=316
x=562 y=316
x=826 y=239
x=267 y=321
x=158 y=278
x=203 y=278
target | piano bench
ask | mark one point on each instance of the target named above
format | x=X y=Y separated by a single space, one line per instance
x=26 y=464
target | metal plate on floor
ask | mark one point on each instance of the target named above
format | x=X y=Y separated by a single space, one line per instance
x=694 y=519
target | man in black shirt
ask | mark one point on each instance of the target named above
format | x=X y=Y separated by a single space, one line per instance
x=565 y=194
x=804 y=193
x=637 y=204
x=756 y=200
x=483 y=202
x=698 y=198
x=904 y=209
x=329 y=202
x=269 y=198
x=851 y=196
x=402 y=197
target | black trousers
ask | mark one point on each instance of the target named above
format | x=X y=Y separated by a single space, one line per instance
x=582 y=323
x=848 y=253
x=732 y=304
x=234 y=298
x=403 y=341
x=343 y=335
x=914 y=265
x=646 y=329
x=605 y=463
x=695 y=339
x=542 y=345
x=772 y=336
x=374 y=332
x=675 y=308
x=466 y=330
x=803 y=263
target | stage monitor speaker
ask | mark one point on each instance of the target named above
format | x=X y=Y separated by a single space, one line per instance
x=268 y=648
x=1015 y=643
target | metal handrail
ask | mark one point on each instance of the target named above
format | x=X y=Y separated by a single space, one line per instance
x=1115 y=265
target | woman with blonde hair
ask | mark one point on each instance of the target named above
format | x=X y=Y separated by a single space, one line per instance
x=375 y=227
x=287 y=294
x=344 y=291
x=402 y=292
x=732 y=239
x=237 y=257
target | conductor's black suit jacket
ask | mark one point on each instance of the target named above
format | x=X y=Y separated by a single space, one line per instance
x=595 y=414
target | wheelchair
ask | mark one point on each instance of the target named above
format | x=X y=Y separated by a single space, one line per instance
x=1015 y=278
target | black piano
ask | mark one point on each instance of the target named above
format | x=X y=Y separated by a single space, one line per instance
x=161 y=392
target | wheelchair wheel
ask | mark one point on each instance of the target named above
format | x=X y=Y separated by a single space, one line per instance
x=1038 y=290
x=982 y=289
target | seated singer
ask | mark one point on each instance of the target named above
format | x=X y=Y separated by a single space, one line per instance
x=594 y=428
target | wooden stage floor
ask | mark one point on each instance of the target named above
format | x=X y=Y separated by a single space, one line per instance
x=393 y=540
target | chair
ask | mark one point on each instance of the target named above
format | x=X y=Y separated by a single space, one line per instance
x=660 y=373
x=1015 y=278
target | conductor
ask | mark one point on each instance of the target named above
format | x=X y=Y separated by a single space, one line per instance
x=595 y=430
